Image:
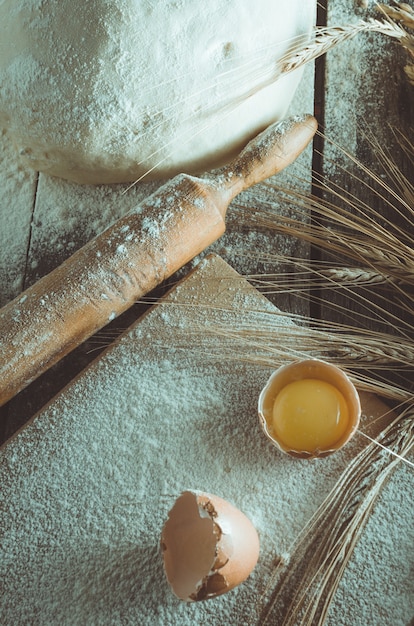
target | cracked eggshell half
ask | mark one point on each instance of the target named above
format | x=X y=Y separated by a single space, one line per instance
x=209 y=546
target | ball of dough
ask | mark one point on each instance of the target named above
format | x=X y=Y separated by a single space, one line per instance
x=104 y=91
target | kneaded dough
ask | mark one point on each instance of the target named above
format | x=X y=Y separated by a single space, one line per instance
x=103 y=91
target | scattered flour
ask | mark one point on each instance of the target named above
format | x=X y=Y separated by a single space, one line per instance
x=86 y=487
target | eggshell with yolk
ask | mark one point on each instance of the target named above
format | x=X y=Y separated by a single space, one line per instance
x=302 y=370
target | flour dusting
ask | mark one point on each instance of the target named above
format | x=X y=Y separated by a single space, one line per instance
x=91 y=104
x=87 y=486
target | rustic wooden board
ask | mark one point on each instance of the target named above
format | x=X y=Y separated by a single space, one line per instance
x=86 y=485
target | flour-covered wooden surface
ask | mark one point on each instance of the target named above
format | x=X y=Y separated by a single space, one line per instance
x=87 y=485
x=360 y=93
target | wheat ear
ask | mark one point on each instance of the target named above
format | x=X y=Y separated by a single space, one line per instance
x=324 y=39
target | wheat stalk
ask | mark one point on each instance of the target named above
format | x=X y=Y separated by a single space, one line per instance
x=305 y=49
x=355 y=275
x=404 y=14
x=326 y=38
x=389 y=257
x=302 y=593
x=265 y=341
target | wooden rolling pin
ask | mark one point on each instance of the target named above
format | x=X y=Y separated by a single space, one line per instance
x=134 y=255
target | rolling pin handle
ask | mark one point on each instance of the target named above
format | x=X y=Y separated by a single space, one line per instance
x=264 y=156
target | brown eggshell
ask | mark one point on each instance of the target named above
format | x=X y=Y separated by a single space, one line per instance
x=299 y=370
x=209 y=546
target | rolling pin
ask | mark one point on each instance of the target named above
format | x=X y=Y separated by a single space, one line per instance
x=131 y=257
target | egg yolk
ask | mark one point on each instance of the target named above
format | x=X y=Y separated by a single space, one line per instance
x=309 y=415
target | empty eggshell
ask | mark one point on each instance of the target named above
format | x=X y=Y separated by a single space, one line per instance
x=209 y=546
x=309 y=370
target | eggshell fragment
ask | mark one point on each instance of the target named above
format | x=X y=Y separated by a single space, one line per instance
x=307 y=370
x=209 y=546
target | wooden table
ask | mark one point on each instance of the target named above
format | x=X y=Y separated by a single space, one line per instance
x=359 y=85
